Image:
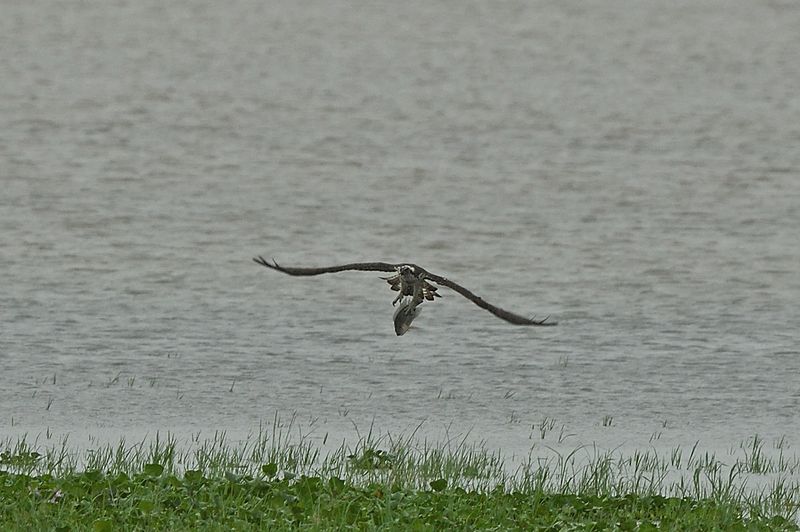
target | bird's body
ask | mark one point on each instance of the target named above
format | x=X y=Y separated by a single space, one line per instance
x=408 y=283
x=413 y=282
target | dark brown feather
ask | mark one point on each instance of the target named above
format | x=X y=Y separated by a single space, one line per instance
x=510 y=317
x=361 y=266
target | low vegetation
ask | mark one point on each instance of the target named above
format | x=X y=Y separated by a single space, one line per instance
x=272 y=483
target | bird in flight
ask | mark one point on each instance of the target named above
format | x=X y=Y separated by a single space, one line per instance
x=412 y=281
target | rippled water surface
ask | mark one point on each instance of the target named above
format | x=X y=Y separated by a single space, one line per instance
x=631 y=167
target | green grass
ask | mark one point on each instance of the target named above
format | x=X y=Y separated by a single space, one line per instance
x=272 y=482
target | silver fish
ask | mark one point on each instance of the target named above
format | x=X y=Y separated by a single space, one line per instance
x=404 y=314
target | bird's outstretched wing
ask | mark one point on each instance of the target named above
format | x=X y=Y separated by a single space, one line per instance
x=429 y=293
x=362 y=266
x=510 y=317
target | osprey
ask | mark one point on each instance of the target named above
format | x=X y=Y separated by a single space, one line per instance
x=414 y=284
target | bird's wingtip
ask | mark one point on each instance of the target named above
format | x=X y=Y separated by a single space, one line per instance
x=263 y=262
x=546 y=321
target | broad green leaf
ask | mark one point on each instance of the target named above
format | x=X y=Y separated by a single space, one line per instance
x=102 y=525
x=438 y=485
x=270 y=469
x=193 y=475
x=93 y=475
x=153 y=470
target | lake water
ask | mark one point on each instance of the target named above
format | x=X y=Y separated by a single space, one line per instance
x=631 y=168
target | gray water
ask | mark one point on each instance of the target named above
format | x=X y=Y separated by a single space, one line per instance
x=631 y=168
